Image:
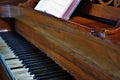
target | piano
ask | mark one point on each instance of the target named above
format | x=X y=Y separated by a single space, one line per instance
x=86 y=47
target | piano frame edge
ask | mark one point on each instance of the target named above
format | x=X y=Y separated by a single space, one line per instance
x=5 y=72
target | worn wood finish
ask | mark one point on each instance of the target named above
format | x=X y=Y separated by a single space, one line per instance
x=83 y=55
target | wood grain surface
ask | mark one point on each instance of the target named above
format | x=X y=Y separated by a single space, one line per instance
x=103 y=11
x=83 y=55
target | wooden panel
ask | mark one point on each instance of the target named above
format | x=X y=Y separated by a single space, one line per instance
x=77 y=67
x=96 y=25
x=83 y=55
x=13 y=2
x=4 y=26
x=115 y=37
x=103 y=11
x=4 y=75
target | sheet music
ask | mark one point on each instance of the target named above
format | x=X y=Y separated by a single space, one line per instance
x=54 y=7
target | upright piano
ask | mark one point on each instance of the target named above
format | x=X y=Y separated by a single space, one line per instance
x=86 y=47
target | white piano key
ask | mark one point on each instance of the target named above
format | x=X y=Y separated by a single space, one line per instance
x=5 y=50
x=8 y=55
x=17 y=68
x=22 y=74
x=19 y=71
x=14 y=63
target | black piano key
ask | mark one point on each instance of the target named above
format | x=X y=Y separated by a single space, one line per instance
x=44 y=70
x=48 y=75
x=36 y=67
x=40 y=63
x=42 y=66
x=64 y=77
x=16 y=48
x=29 y=53
x=35 y=61
x=22 y=56
x=24 y=50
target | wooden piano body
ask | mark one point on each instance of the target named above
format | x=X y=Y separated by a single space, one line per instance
x=68 y=43
x=5 y=73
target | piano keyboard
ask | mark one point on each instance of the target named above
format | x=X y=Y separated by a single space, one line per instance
x=35 y=64
x=17 y=69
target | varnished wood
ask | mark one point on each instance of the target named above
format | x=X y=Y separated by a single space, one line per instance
x=116 y=3
x=4 y=26
x=112 y=36
x=108 y=34
x=29 y=3
x=103 y=9
x=70 y=47
x=107 y=12
x=3 y=72
x=12 y=2
x=96 y=25
x=78 y=68
x=81 y=54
